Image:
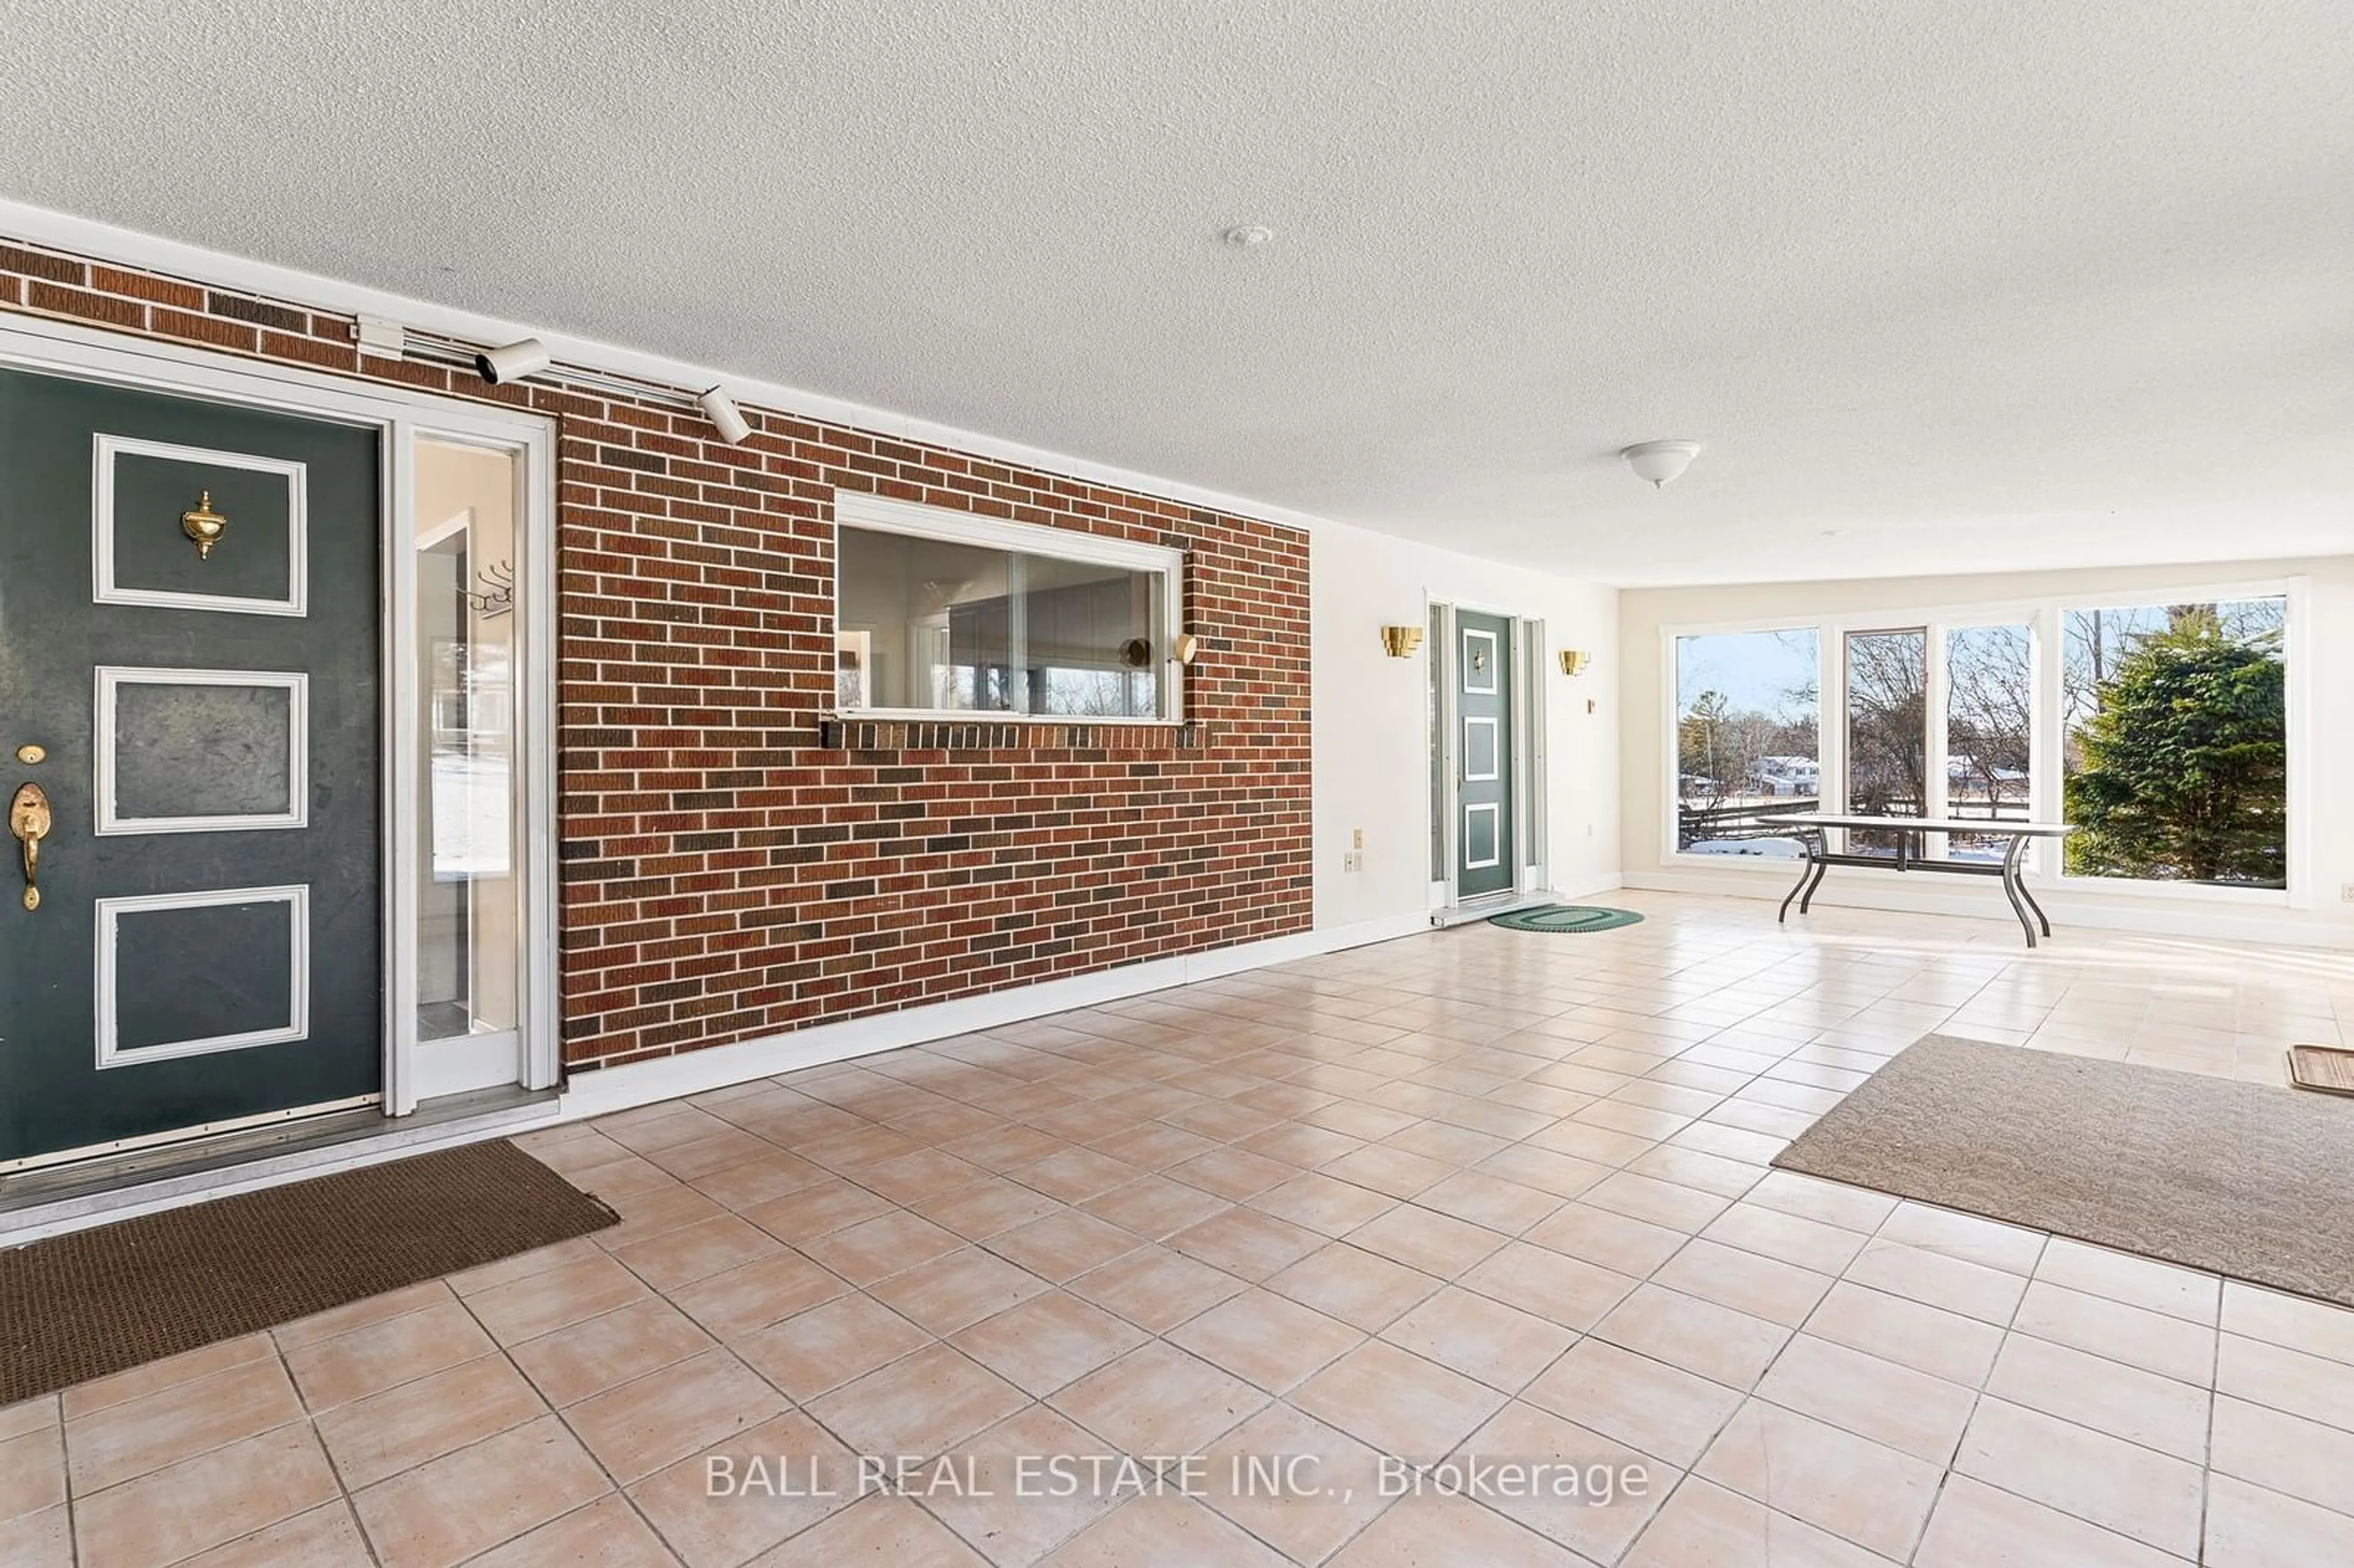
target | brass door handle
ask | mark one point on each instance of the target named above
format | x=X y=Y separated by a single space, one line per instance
x=29 y=819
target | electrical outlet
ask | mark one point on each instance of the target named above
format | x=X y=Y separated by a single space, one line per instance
x=2346 y=892
x=1352 y=860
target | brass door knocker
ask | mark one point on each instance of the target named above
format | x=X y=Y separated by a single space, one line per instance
x=204 y=525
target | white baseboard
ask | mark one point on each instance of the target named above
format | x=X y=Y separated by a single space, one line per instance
x=1602 y=881
x=2149 y=915
x=697 y=1071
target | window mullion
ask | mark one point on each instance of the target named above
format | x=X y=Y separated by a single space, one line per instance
x=2048 y=736
x=1936 y=783
x=1017 y=635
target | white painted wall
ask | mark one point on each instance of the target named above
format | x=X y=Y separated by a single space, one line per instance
x=2321 y=676
x=1372 y=730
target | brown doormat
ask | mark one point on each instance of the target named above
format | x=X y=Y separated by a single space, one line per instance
x=2329 y=1068
x=92 y=1302
x=2245 y=1179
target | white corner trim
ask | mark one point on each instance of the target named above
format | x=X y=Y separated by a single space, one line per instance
x=83 y=237
x=719 y=1066
x=295 y=683
x=106 y=995
x=106 y=448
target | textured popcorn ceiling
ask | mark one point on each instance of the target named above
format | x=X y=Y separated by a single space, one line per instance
x=2009 y=283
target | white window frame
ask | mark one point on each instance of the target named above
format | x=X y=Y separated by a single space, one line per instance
x=854 y=509
x=2046 y=614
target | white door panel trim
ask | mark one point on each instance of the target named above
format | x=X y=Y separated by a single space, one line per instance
x=110 y=822
x=104 y=589
x=108 y=975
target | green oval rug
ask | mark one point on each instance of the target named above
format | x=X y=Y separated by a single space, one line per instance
x=1571 y=917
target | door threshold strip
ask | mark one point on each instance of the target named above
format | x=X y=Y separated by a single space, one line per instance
x=1472 y=910
x=62 y=1198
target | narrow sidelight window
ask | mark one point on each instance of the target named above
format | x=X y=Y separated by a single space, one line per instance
x=470 y=892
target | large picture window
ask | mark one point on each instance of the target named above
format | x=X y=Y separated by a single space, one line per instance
x=936 y=613
x=1989 y=731
x=2161 y=730
x=1746 y=739
x=2175 y=746
x=1887 y=690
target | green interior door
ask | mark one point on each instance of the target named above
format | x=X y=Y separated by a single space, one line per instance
x=200 y=731
x=1483 y=750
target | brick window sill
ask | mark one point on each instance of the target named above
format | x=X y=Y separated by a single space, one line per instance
x=1010 y=735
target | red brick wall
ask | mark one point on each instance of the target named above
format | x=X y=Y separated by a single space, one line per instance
x=725 y=874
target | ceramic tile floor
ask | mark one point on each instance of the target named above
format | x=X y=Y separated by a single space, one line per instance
x=1467 y=1193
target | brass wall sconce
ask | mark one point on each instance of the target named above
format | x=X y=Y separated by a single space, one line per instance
x=204 y=525
x=1184 y=648
x=1400 y=641
x=1574 y=663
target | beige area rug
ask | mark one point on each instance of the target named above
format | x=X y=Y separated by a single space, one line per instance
x=2243 y=1180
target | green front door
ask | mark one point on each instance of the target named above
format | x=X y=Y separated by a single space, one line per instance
x=1483 y=788
x=196 y=942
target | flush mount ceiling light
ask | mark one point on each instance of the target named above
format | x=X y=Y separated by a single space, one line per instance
x=1660 y=461
x=1247 y=236
x=726 y=417
x=513 y=363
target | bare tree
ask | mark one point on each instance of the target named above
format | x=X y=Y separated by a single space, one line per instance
x=1887 y=720
x=1990 y=714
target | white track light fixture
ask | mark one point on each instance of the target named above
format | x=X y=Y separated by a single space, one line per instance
x=517 y=360
x=726 y=417
x=1660 y=461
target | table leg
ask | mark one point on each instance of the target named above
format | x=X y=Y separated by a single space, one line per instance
x=1806 y=869
x=2014 y=891
x=1823 y=869
x=2040 y=919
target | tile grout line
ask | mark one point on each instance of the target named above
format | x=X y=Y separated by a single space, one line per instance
x=548 y=1407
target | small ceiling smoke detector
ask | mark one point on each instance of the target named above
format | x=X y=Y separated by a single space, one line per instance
x=1247 y=236
x=1660 y=461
